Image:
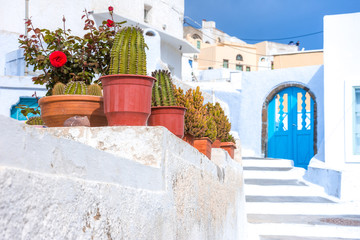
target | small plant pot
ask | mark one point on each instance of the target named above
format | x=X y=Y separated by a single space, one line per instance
x=203 y=145
x=171 y=117
x=216 y=143
x=229 y=147
x=127 y=99
x=56 y=109
x=189 y=139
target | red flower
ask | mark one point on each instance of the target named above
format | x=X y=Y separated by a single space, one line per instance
x=110 y=23
x=111 y=9
x=58 y=59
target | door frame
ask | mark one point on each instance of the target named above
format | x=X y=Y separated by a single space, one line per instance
x=264 y=115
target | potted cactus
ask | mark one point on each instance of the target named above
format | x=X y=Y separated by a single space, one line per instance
x=127 y=90
x=164 y=110
x=73 y=99
x=198 y=123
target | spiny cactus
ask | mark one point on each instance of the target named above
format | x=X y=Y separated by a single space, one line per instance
x=76 y=87
x=94 y=89
x=35 y=121
x=59 y=89
x=163 y=89
x=127 y=54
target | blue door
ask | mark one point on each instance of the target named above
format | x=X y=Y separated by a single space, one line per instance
x=290 y=126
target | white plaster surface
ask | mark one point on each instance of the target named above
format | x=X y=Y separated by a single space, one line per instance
x=53 y=186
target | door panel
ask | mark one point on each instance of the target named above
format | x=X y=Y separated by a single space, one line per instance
x=290 y=126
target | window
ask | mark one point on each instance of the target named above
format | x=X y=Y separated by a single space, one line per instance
x=239 y=57
x=16 y=112
x=239 y=67
x=196 y=36
x=210 y=68
x=225 y=63
x=190 y=62
x=356 y=121
x=147 y=14
x=248 y=69
x=198 y=44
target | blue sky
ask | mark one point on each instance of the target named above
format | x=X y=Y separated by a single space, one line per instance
x=270 y=19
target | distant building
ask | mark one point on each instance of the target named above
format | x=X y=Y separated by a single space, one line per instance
x=298 y=59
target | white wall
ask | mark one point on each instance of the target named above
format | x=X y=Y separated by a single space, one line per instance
x=342 y=73
x=115 y=183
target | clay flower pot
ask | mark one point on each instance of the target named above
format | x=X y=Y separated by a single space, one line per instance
x=203 y=145
x=171 y=117
x=216 y=143
x=56 y=109
x=229 y=147
x=127 y=99
x=189 y=139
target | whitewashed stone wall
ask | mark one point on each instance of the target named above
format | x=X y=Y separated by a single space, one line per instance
x=115 y=183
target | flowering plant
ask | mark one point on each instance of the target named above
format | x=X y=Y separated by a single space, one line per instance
x=63 y=57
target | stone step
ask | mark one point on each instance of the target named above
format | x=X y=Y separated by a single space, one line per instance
x=274 y=182
x=284 y=190
x=303 y=231
x=293 y=173
x=287 y=199
x=267 y=162
x=277 y=237
x=302 y=208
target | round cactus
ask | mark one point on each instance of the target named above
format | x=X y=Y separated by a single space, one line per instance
x=127 y=54
x=59 y=89
x=35 y=121
x=76 y=87
x=94 y=89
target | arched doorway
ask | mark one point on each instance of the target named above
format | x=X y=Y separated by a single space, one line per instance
x=289 y=124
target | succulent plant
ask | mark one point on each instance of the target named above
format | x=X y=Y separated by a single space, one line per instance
x=163 y=89
x=94 y=89
x=128 y=52
x=197 y=121
x=223 y=125
x=35 y=121
x=76 y=87
x=59 y=89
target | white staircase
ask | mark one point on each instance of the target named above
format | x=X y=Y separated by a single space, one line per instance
x=281 y=205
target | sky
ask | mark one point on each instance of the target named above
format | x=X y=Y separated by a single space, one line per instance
x=270 y=19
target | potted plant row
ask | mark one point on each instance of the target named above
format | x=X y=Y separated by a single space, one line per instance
x=165 y=110
x=200 y=129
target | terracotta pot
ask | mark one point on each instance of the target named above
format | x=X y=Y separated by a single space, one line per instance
x=56 y=109
x=229 y=147
x=216 y=143
x=189 y=139
x=171 y=117
x=127 y=99
x=203 y=145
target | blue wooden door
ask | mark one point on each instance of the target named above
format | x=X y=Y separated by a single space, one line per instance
x=291 y=126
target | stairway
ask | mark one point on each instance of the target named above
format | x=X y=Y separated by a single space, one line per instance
x=281 y=205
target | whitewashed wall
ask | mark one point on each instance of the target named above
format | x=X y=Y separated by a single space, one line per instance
x=115 y=183
x=341 y=75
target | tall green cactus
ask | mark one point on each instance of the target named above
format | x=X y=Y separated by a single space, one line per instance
x=163 y=89
x=78 y=87
x=127 y=54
